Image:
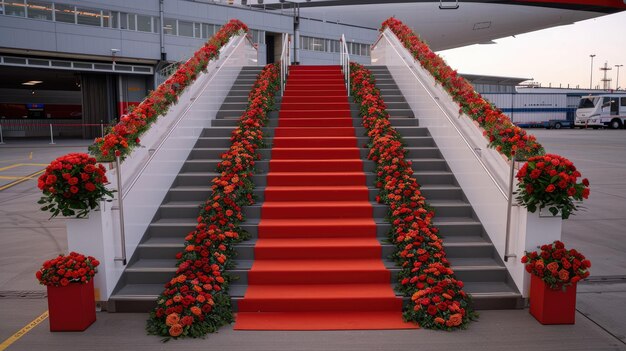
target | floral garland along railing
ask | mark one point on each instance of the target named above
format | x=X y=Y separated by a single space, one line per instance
x=196 y=301
x=438 y=299
x=122 y=137
x=556 y=190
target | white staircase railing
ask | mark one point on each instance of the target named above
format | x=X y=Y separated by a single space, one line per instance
x=482 y=173
x=150 y=170
x=344 y=57
x=285 y=62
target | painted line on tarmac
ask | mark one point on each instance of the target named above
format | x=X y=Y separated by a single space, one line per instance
x=15 y=337
x=21 y=180
x=22 y=165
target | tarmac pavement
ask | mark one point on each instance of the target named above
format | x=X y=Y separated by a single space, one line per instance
x=27 y=238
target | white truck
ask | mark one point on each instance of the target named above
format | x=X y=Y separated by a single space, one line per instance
x=600 y=111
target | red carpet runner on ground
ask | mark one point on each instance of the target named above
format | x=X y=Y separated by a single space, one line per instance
x=317 y=261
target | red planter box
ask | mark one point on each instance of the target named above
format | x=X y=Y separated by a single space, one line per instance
x=72 y=307
x=552 y=306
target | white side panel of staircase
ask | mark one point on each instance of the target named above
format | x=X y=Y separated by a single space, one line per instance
x=151 y=169
x=482 y=173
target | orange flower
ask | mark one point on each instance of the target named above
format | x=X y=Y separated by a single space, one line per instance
x=177 y=298
x=539 y=264
x=176 y=330
x=181 y=278
x=564 y=275
x=172 y=319
x=552 y=266
x=456 y=319
x=439 y=320
x=196 y=310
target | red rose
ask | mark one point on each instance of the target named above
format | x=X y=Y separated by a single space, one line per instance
x=586 y=182
x=550 y=188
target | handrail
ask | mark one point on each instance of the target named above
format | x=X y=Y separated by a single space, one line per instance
x=508 y=196
x=344 y=57
x=285 y=62
x=175 y=124
x=153 y=152
x=473 y=149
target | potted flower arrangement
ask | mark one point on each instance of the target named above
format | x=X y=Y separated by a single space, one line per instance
x=555 y=272
x=69 y=281
x=72 y=185
x=551 y=181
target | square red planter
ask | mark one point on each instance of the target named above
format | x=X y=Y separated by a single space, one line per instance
x=552 y=306
x=72 y=307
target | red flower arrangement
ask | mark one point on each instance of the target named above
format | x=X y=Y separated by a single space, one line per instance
x=123 y=136
x=439 y=301
x=196 y=301
x=557 y=266
x=503 y=135
x=64 y=270
x=73 y=185
x=507 y=138
x=551 y=181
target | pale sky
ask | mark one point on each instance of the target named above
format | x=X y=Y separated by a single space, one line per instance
x=555 y=55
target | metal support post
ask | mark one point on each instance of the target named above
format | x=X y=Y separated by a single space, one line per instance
x=51 y=136
x=509 y=209
x=1 y=137
x=120 y=203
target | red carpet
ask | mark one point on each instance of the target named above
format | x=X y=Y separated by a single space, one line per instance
x=317 y=261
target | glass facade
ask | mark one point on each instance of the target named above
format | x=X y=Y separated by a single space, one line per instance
x=331 y=45
x=59 y=12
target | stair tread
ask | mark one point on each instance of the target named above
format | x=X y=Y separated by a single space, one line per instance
x=319 y=265
x=455 y=220
x=469 y=240
x=152 y=291
x=320 y=291
x=317 y=242
x=316 y=173
x=474 y=263
x=304 y=204
x=182 y=204
x=153 y=264
x=490 y=288
x=138 y=291
x=296 y=222
x=176 y=221
x=439 y=186
x=315 y=187
x=164 y=241
x=444 y=203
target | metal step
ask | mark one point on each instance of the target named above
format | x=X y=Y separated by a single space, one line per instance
x=472 y=255
x=469 y=250
x=154 y=263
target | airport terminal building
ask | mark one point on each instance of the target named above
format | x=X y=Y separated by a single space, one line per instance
x=77 y=62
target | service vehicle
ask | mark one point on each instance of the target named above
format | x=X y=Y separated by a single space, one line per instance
x=601 y=111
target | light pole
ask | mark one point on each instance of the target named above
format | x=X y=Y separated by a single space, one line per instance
x=617 y=80
x=591 y=79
